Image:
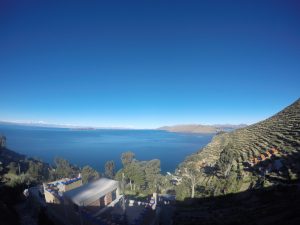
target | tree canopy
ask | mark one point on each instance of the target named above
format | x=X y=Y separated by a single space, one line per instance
x=110 y=169
x=127 y=158
x=140 y=175
x=88 y=174
x=64 y=169
x=2 y=141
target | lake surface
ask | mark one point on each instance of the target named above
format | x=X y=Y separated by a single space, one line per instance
x=95 y=147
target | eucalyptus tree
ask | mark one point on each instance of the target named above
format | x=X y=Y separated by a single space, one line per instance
x=191 y=172
x=110 y=169
x=88 y=174
x=127 y=158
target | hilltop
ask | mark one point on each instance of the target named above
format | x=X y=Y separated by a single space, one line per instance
x=199 y=128
x=260 y=155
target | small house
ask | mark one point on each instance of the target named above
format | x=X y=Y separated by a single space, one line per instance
x=91 y=199
x=54 y=190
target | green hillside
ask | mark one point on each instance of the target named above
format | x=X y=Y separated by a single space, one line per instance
x=224 y=165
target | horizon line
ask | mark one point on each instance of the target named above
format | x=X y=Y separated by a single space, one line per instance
x=61 y=125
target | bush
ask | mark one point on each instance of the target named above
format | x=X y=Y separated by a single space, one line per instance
x=182 y=192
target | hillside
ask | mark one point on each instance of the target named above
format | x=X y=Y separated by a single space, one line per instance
x=260 y=155
x=198 y=128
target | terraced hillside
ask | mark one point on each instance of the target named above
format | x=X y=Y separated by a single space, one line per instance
x=259 y=155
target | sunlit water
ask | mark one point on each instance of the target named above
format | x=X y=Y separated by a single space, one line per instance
x=95 y=147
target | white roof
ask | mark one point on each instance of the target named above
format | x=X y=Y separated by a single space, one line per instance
x=88 y=193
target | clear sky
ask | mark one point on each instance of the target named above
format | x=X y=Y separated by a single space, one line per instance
x=145 y=64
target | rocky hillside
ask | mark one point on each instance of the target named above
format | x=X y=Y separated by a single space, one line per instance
x=259 y=155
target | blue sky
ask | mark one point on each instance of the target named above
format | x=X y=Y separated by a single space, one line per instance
x=144 y=64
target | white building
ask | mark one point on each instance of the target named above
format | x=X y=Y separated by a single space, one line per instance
x=82 y=204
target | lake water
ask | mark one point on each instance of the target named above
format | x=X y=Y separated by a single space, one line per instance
x=95 y=147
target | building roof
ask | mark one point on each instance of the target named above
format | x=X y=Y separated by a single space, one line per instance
x=63 y=181
x=88 y=193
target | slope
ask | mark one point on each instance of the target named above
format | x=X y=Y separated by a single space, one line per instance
x=260 y=155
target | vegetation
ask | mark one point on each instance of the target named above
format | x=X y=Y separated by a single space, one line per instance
x=127 y=158
x=141 y=177
x=63 y=168
x=190 y=174
x=2 y=141
x=88 y=174
x=110 y=169
x=223 y=166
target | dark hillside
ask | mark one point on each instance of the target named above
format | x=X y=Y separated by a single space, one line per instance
x=267 y=206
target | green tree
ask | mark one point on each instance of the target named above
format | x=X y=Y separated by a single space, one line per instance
x=224 y=163
x=127 y=158
x=152 y=172
x=191 y=173
x=2 y=141
x=64 y=169
x=119 y=175
x=110 y=169
x=22 y=179
x=88 y=174
x=37 y=170
x=136 y=175
x=12 y=168
x=182 y=191
x=133 y=174
x=128 y=173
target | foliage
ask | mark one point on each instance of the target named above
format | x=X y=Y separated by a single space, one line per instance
x=110 y=169
x=38 y=170
x=12 y=168
x=182 y=191
x=191 y=175
x=2 y=141
x=135 y=174
x=17 y=180
x=127 y=158
x=64 y=169
x=141 y=176
x=119 y=175
x=227 y=156
x=88 y=174
x=152 y=171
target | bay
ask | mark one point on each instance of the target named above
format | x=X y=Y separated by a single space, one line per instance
x=95 y=147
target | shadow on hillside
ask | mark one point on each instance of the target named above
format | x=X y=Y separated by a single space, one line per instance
x=274 y=205
x=8 y=198
x=280 y=169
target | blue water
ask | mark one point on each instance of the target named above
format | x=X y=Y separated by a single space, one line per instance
x=95 y=147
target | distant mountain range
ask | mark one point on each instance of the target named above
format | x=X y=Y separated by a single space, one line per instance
x=36 y=124
x=187 y=128
x=49 y=125
x=198 y=128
